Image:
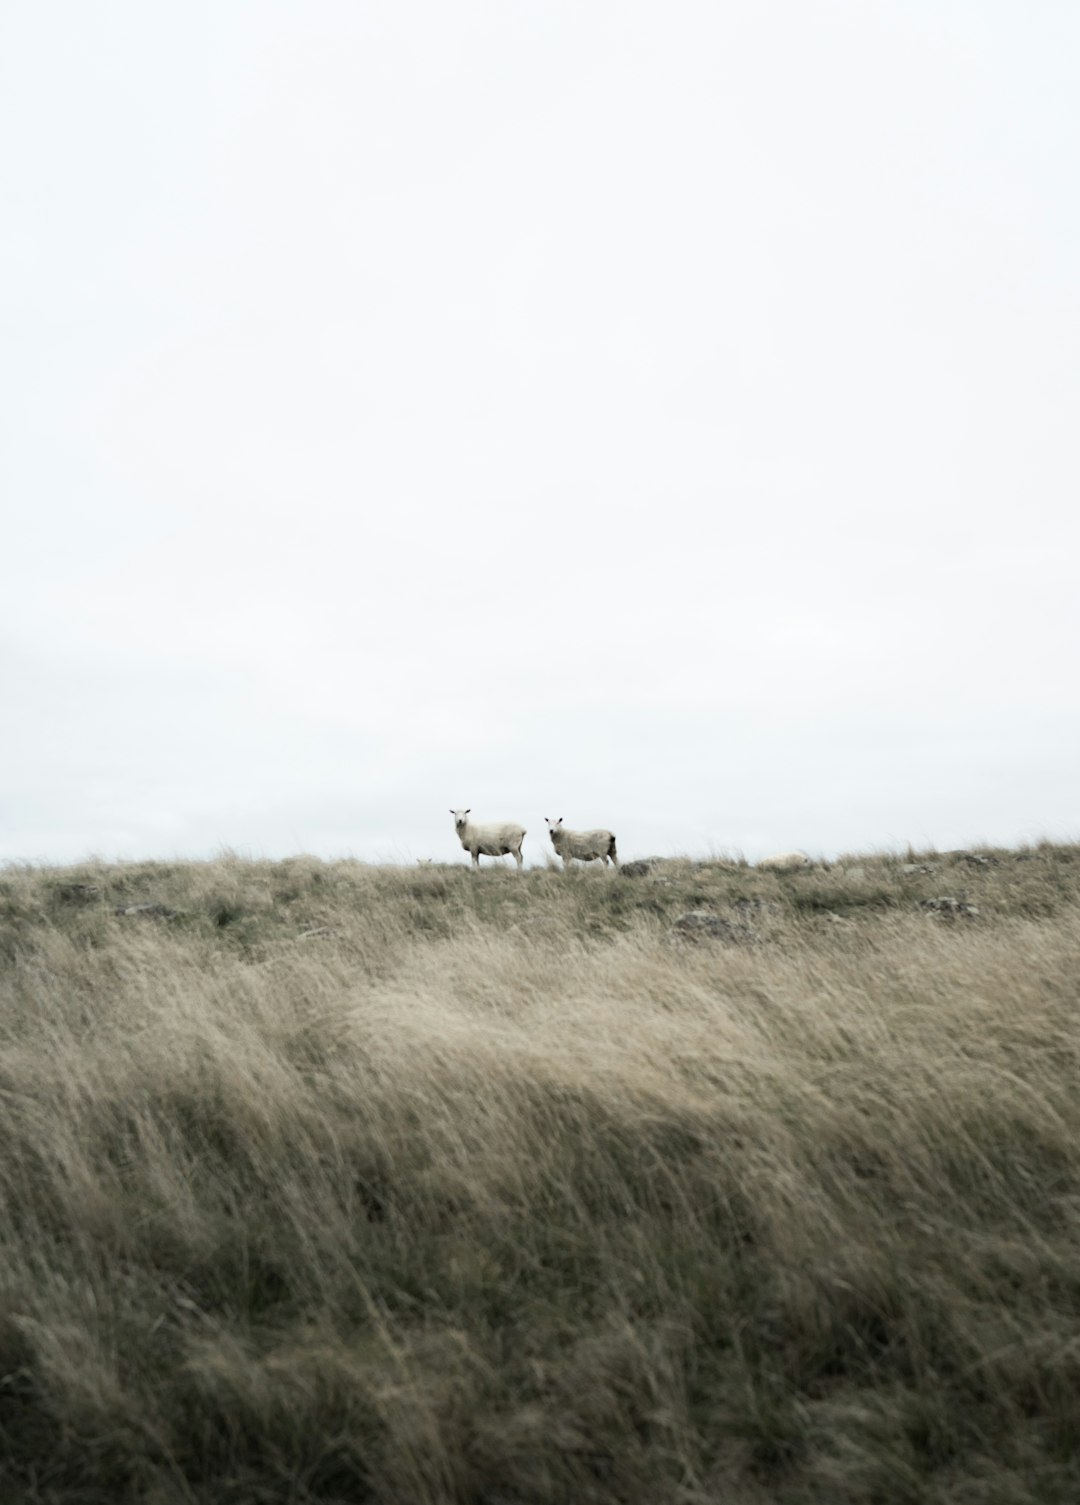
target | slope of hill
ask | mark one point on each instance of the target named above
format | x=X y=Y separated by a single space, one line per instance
x=338 y=1183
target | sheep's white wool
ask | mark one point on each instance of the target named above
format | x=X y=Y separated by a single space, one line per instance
x=785 y=862
x=586 y=846
x=499 y=839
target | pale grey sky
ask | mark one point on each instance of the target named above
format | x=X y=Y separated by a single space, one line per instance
x=661 y=415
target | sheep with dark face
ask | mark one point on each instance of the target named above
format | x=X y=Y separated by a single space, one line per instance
x=501 y=839
x=586 y=846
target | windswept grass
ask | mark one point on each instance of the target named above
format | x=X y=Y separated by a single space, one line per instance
x=391 y=1185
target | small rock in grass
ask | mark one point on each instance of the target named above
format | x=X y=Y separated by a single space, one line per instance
x=949 y=908
x=754 y=904
x=703 y=925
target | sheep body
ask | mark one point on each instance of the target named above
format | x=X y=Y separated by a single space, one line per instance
x=785 y=862
x=586 y=846
x=498 y=839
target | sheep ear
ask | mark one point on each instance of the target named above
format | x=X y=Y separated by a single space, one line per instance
x=469 y=810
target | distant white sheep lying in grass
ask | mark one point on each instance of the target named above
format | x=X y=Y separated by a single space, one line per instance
x=498 y=840
x=586 y=846
x=785 y=862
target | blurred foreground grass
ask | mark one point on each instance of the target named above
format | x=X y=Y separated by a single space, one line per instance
x=344 y=1183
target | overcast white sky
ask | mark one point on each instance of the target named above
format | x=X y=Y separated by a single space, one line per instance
x=659 y=415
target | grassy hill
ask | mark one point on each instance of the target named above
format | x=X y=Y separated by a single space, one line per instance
x=339 y=1183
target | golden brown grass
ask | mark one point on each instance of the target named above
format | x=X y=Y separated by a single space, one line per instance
x=355 y=1184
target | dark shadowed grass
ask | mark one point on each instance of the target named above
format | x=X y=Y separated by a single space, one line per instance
x=405 y=1185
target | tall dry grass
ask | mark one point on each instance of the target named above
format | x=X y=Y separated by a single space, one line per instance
x=354 y=1184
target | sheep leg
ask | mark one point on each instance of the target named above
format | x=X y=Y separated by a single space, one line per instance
x=518 y=858
x=476 y=858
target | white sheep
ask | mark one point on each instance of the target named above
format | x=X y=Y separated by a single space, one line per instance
x=498 y=840
x=586 y=846
x=785 y=862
